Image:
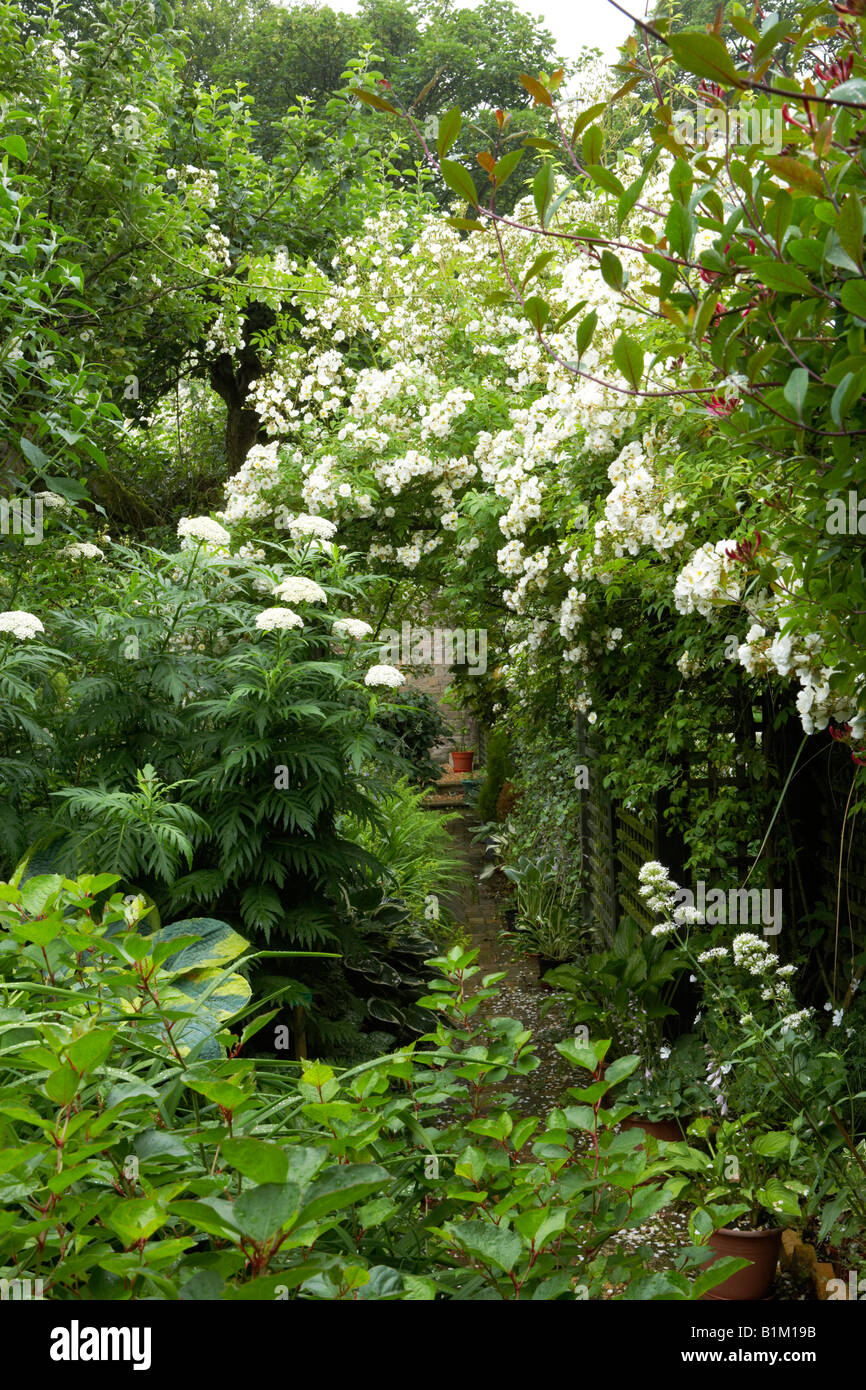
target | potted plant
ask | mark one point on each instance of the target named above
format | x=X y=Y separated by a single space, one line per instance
x=546 y=923
x=462 y=757
x=667 y=1093
x=744 y=1187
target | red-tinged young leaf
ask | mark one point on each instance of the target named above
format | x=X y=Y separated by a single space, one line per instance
x=540 y=93
x=797 y=174
x=371 y=99
x=824 y=135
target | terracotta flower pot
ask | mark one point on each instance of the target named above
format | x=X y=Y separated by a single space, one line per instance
x=670 y=1131
x=462 y=761
x=755 y=1281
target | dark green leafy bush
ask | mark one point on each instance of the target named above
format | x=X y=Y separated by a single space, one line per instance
x=135 y=1167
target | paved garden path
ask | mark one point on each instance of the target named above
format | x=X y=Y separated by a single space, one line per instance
x=479 y=909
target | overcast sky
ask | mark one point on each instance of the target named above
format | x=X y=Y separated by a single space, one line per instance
x=574 y=23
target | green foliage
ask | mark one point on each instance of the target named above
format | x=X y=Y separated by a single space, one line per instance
x=673 y=1085
x=498 y=767
x=133 y=1168
x=415 y=721
x=415 y=856
x=748 y=1176
x=548 y=920
x=431 y=60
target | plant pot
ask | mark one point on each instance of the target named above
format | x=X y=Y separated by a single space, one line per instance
x=755 y=1281
x=509 y=916
x=462 y=761
x=668 y=1131
x=546 y=963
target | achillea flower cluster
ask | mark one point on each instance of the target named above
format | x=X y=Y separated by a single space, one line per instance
x=278 y=620
x=298 y=589
x=317 y=526
x=81 y=550
x=203 y=528
x=20 y=624
x=384 y=675
x=352 y=627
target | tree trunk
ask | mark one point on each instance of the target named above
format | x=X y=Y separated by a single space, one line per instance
x=231 y=377
x=242 y=427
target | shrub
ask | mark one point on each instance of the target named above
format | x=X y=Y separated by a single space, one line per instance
x=498 y=769
x=415 y=722
x=136 y=1167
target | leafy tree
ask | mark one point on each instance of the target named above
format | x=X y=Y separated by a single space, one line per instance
x=432 y=54
x=168 y=209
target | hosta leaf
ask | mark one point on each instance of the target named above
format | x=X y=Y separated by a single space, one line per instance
x=218 y=944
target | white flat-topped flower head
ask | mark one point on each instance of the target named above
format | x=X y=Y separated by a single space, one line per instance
x=20 y=624
x=203 y=528
x=351 y=627
x=82 y=550
x=384 y=675
x=53 y=501
x=298 y=589
x=278 y=620
x=305 y=525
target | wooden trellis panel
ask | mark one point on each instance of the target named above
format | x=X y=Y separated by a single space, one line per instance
x=637 y=841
